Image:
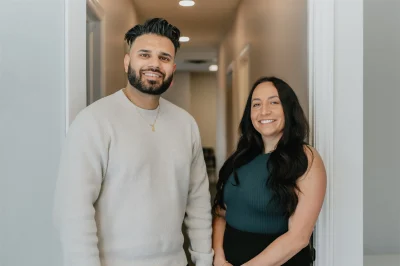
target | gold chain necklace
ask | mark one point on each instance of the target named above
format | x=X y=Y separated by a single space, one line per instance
x=155 y=120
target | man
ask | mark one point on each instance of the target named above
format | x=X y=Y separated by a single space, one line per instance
x=133 y=169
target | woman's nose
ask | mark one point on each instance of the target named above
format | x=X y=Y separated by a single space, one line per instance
x=265 y=110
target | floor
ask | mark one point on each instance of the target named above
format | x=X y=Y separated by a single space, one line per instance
x=382 y=260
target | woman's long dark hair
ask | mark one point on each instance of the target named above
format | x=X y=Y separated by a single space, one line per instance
x=286 y=163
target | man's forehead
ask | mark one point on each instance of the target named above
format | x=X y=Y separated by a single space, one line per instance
x=153 y=43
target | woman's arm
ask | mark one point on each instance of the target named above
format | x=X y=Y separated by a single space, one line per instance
x=219 y=224
x=301 y=224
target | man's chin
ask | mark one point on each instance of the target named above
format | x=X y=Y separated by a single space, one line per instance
x=152 y=81
x=152 y=91
x=152 y=86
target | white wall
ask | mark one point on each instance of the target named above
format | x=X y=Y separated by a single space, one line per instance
x=203 y=105
x=347 y=179
x=120 y=16
x=116 y=21
x=36 y=68
x=381 y=127
x=221 y=121
x=196 y=92
x=277 y=33
x=32 y=124
x=179 y=93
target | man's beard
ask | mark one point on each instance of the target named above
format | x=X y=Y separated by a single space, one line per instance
x=153 y=88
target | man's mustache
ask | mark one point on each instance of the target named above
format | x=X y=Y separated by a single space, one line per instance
x=154 y=70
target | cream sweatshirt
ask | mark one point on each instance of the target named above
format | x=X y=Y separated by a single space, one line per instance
x=123 y=190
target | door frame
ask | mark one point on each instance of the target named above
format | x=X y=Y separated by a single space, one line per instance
x=327 y=29
x=321 y=113
x=335 y=53
x=75 y=55
x=229 y=125
x=95 y=17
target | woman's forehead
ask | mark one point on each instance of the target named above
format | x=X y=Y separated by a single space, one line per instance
x=265 y=90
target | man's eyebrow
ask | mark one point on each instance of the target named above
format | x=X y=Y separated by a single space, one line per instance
x=143 y=51
x=149 y=51
x=166 y=54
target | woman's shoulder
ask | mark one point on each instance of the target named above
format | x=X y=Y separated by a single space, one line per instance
x=311 y=152
x=314 y=158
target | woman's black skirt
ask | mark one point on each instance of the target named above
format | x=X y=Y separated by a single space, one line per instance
x=240 y=247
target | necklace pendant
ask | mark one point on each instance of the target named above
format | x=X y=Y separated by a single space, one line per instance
x=152 y=128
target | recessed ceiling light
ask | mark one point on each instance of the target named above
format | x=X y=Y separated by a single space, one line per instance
x=213 y=68
x=186 y=3
x=184 y=39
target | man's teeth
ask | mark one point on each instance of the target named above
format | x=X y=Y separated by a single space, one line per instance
x=152 y=75
x=267 y=121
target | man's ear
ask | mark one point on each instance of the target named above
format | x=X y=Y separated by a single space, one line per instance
x=127 y=61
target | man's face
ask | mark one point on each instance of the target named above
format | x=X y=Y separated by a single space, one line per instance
x=150 y=64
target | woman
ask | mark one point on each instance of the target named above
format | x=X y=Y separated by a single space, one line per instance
x=271 y=189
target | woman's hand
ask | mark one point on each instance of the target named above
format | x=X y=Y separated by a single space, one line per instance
x=221 y=261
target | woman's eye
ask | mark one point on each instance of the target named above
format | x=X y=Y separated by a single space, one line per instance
x=256 y=105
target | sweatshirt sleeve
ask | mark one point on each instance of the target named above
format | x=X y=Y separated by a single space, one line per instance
x=82 y=167
x=198 y=209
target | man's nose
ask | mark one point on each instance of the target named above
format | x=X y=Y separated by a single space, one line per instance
x=155 y=62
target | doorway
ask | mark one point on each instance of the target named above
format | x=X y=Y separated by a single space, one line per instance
x=230 y=143
x=94 y=58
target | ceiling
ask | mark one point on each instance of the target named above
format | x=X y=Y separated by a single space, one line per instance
x=205 y=23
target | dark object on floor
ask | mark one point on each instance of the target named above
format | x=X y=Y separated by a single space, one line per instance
x=209 y=157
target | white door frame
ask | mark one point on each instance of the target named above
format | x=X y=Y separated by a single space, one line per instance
x=243 y=76
x=321 y=71
x=75 y=55
x=328 y=36
x=75 y=59
x=335 y=46
x=95 y=8
x=95 y=15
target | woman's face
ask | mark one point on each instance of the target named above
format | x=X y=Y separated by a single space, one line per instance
x=267 y=114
